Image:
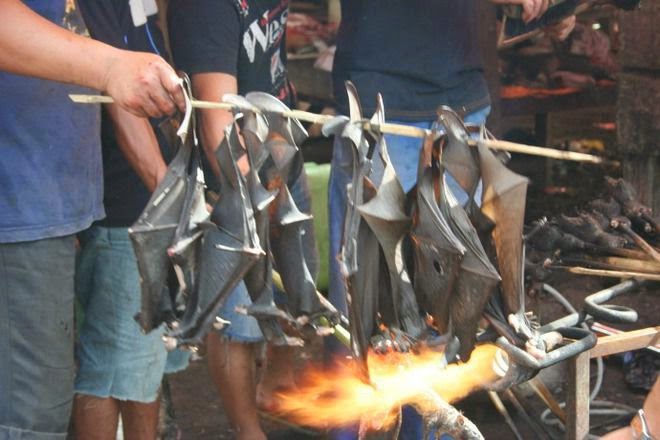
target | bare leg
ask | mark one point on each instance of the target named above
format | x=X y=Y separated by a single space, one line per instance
x=140 y=420
x=278 y=374
x=232 y=368
x=95 y=418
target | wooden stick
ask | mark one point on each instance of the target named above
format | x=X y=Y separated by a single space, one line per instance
x=542 y=151
x=546 y=396
x=578 y=270
x=619 y=252
x=615 y=263
x=514 y=396
x=632 y=264
x=387 y=128
x=639 y=241
x=606 y=330
x=627 y=341
x=499 y=406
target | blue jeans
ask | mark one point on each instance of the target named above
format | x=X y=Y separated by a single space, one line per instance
x=404 y=154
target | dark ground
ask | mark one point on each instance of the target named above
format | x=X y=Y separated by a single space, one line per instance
x=199 y=410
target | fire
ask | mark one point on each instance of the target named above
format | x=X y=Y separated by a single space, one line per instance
x=338 y=398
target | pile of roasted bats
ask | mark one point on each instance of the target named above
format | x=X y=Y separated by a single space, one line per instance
x=614 y=233
x=191 y=259
x=420 y=268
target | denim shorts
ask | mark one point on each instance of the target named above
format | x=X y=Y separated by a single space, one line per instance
x=116 y=359
x=242 y=328
x=36 y=338
x=177 y=360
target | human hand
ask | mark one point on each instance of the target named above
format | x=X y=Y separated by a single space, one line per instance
x=533 y=9
x=561 y=30
x=143 y=84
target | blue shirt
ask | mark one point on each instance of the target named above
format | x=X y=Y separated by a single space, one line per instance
x=51 y=181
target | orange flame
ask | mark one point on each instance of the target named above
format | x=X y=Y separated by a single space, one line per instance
x=338 y=398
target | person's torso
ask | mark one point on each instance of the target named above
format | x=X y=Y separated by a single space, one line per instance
x=125 y=194
x=262 y=53
x=241 y=38
x=419 y=55
x=50 y=156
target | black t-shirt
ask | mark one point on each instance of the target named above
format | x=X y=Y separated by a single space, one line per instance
x=125 y=196
x=242 y=38
x=418 y=54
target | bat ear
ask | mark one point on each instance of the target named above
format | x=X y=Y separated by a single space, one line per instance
x=273 y=109
x=354 y=107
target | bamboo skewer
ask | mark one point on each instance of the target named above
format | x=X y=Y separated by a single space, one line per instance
x=639 y=241
x=630 y=264
x=552 y=153
x=614 y=263
x=546 y=396
x=579 y=270
x=620 y=252
x=387 y=128
x=499 y=406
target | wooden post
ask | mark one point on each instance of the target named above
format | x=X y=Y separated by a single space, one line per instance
x=577 y=397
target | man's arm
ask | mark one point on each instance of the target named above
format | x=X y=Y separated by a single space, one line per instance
x=532 y=9
x=138 y=142
x=134 y=135
x=212 y=87
x=30 y=45
x=205 y=36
